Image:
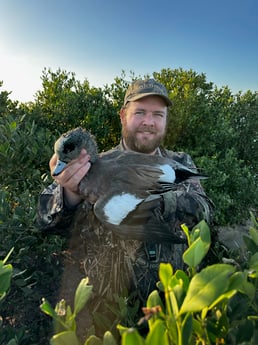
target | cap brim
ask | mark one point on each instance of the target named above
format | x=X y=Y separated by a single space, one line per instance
x=142 y=95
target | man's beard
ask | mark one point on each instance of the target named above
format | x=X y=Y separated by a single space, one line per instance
x=149 y=146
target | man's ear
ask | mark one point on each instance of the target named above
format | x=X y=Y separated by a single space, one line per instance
x=122 y=114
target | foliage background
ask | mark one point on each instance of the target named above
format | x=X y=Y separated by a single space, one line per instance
x=217 y=128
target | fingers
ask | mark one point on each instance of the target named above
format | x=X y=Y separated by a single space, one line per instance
x=73 y=173
x=52 y=162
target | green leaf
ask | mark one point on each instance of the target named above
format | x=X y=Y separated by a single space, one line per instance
x=253 y=264
x=176 y=292
x=186 y=231
x=93 y=340
x=206 y=286
x=251 y=246
x=165 y=273
x=200 y=245
x=198 y=328
x=194 y=234
x=181 y=275
x=254 y=235
x=132 y=337
x=122 y=329
x=223 y=297
x=239 y=282
x=12 y=342
x=205 y=232
x=48 y=310
x=82 y=294
x=154 y=300
x=195 y=253
x=5 y=277
x=65 y=338
x=201 y=230
x=158 y=334
x=109 y=339
x=187 y=326
x=8 y=255
x=172 y=326
x=13 y=125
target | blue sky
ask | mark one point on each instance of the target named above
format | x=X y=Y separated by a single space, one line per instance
x=97 y=39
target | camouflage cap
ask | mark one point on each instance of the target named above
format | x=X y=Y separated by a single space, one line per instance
x=143 y=88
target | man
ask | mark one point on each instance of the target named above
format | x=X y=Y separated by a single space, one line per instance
x=112 y=264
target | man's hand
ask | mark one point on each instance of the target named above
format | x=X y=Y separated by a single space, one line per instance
x=71 y=176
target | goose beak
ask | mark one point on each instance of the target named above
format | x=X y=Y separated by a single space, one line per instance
x=60 y=165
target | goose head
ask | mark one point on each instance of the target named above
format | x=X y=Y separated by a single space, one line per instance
x=69 y=146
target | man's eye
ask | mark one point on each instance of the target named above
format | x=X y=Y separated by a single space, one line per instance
x=139 y=113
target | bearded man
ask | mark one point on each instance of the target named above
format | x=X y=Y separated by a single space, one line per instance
x=120 y=267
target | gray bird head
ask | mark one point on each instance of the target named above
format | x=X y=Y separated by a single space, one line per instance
x=69 y=146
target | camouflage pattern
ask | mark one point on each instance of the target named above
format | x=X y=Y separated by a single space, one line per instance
x=114 y=265
x=142 y=88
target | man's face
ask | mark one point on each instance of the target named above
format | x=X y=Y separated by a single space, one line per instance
x=144 y=124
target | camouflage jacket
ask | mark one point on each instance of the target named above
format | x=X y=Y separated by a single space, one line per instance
x=113 y=264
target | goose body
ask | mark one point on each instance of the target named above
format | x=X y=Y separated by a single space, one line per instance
x=125 y=187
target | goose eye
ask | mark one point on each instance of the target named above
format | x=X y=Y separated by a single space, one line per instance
x=69 y=148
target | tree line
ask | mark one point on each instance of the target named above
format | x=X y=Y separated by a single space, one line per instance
x=217 y=128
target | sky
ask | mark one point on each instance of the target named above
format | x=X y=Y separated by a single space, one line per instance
x=98 y=39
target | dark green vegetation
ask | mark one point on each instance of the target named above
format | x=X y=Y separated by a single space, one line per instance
x=199 y=306
x=219 y=129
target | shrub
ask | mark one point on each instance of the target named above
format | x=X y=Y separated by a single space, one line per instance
x=196 y=308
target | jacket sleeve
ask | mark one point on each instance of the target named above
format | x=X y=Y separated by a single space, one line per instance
x=191 y=204
x=52 y=214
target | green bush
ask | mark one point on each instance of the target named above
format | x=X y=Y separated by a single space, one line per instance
x=217 y=128
x=5 y=276
x=25 y=150
x=196 y=308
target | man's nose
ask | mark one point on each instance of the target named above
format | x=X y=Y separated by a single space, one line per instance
x=148 y=119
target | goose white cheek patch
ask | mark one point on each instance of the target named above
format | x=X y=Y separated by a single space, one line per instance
x=168 y=175
x=118 y=207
